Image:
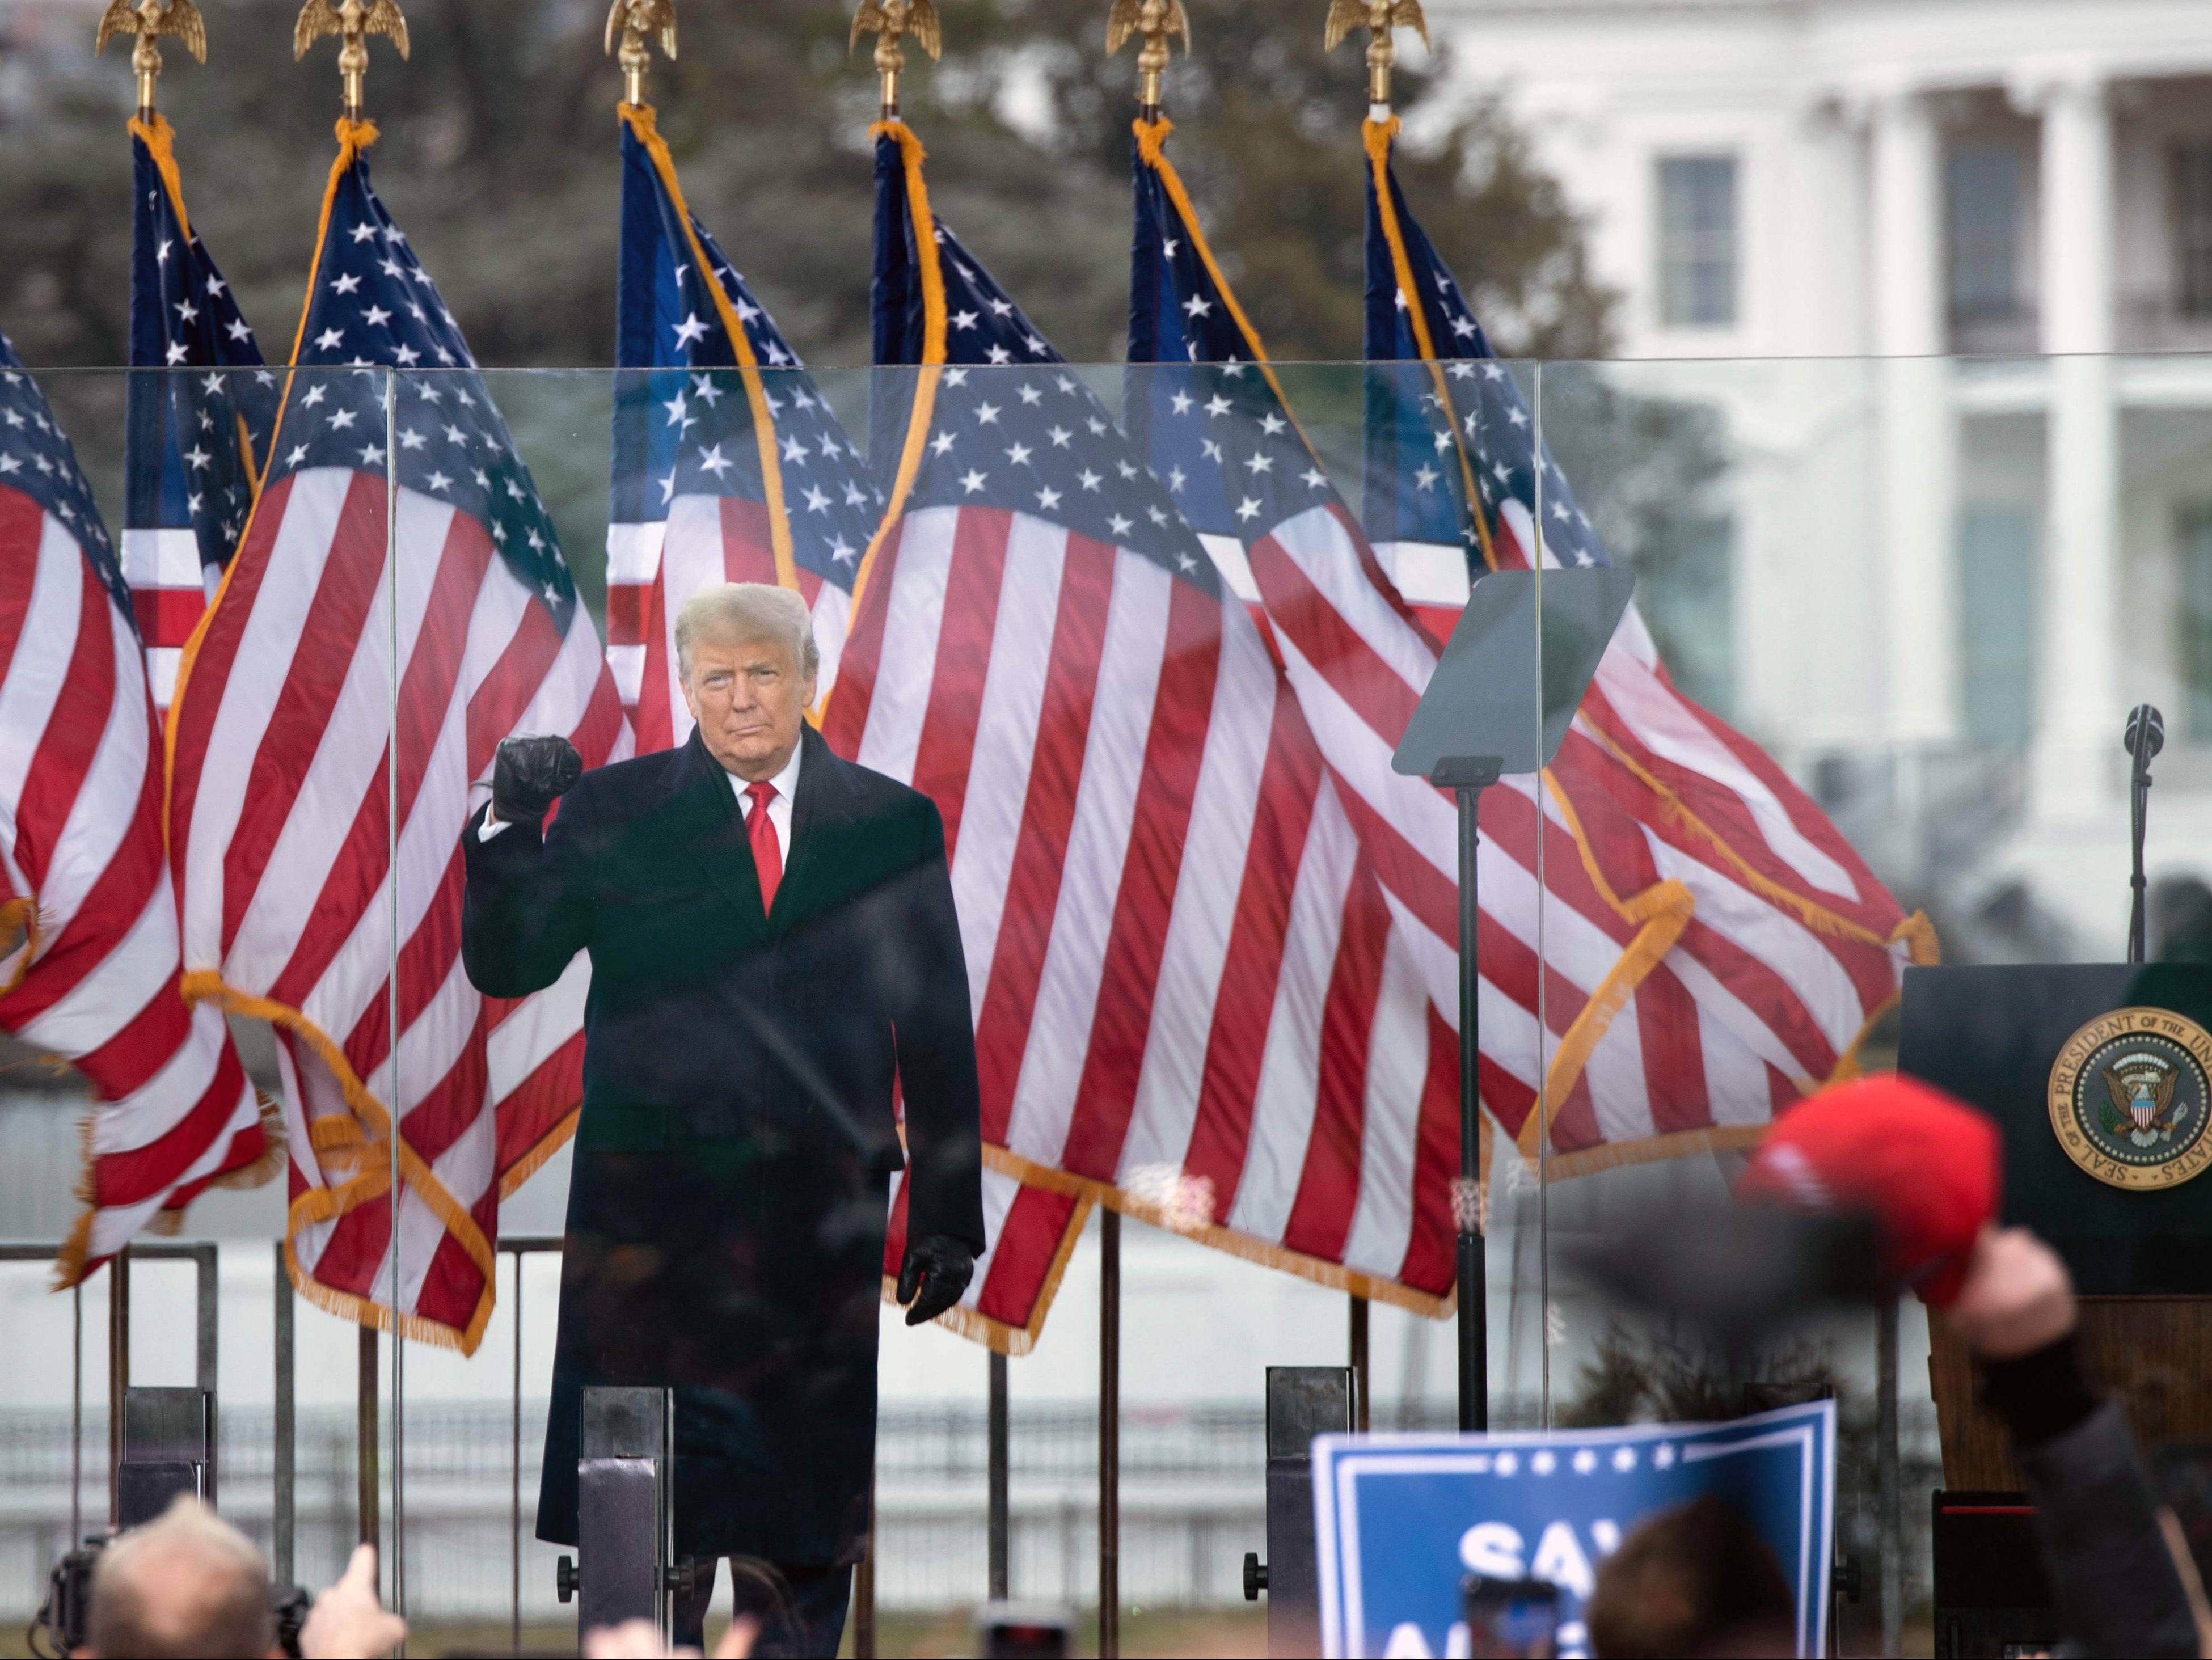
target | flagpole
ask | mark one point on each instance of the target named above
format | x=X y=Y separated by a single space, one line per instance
x=637 y=22
x=391 y=990
x=1357 y=1347
x=888 y=20
x=1110 y=1433
x=352 y=22
x=145 y=22
x=1378 y=18
x=997 y=1522
x=1153 y=22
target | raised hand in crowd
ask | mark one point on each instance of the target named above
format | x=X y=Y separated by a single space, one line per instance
x=640 y=1639
x=2121 y=1575
x=2017 y=1296
x=347 y=1621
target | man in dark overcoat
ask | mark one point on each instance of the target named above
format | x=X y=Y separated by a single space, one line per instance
x=773 y=944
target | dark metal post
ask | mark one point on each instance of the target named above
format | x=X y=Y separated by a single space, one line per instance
x=1302 y=1401
x=76 y=1414
x=1109 y=1434
x=1359 y=1306
x=998 y=1520
x=284 y=1518
x=364 y=1437
x=1888 y=1483
x=514 y=1490
x=118 y=1374
x=207 y=1311
x=1467 y=1205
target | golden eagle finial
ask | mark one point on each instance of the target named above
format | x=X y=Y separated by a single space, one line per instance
x=637 y=22
x=887 y=19
x=147 y=20
x=1153 y=22
x=1380 y=17
x=353 y=21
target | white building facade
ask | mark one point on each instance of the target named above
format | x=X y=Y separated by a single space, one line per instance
x=1968 y=244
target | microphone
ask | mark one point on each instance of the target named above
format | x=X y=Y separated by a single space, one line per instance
x=2146 y=737
x=2146 y=726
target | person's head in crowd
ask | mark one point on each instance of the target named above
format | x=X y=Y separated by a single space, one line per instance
x=186 y=1584
x=1693 y=1582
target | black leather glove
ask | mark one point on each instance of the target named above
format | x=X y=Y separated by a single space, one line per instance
x=932 y=1276
x=529 y=774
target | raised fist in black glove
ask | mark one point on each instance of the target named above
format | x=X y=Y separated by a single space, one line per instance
x=932 y=1276
x=529 y=774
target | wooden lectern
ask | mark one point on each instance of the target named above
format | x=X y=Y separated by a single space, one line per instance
x=2097 y=1075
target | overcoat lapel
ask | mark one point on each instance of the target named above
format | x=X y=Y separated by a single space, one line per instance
x=819 y=783
x=704 y=820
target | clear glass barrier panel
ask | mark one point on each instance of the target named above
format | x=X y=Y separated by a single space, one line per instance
x=1888 y=619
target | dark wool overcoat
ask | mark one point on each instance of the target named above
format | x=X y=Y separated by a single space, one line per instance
x=726 y=1213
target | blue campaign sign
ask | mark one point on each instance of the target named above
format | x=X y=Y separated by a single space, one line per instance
x=1401 y=1519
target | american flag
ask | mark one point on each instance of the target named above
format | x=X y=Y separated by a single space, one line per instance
x=729 y=465
x=696 y=443
x=433 y=589
x=195 y=433
x=1712 y=948
x=88 y=961
x=1158 y=882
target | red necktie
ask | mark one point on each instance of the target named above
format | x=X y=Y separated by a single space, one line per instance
x=768 y=853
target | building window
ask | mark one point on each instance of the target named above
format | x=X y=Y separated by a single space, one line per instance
x=2195 y=540
x=1982 y=213
x=1696 y=241
x=2189 y=167
x=1997 y=623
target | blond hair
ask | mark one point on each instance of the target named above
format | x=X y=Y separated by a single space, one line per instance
x=747 y=610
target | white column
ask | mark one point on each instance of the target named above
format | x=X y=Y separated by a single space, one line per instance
x=2079 y=696
x=2077 y=214
x=1918 y=447
x=1908 y=232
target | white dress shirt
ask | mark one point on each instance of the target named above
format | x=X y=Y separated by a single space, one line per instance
x=779 y=806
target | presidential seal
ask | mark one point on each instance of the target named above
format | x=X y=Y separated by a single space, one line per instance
x=2130 y=1099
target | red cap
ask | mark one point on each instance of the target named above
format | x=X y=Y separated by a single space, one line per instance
x=1926 y=1165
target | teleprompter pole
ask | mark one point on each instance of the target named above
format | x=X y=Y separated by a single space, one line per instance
x=1510 y=680
x=1467 y=776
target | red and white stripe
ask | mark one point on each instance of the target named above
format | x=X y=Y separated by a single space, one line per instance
x=286 y=770
x=92 y=975
x=653 y=568
x=1783 y=943
x=169 y=589
x=1189 y=986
